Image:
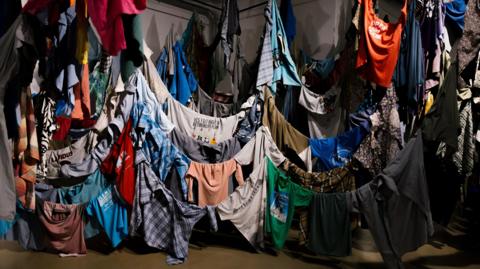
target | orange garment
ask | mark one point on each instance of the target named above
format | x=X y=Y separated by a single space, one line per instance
x=379 y=45
x=81 y=52
x=213 y=179
x=82 y=96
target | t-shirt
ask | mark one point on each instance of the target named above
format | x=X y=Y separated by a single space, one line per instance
x=63 y=227
x=245 y=207
x=379 y=45
x=202 y=152
x=325 y=114
x=283 y=133
x=258 y=147
x=75 y=153
x=213 y=179
x=111 y=215
x=203 y=128
x=329 y=231
x=283 y=196
x=83 y=193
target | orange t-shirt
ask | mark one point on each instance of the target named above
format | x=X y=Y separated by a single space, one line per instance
x=379 y=45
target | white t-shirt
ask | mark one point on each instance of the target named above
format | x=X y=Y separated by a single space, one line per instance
x=203 y=128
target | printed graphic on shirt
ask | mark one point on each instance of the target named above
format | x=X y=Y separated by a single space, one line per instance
x=105 y=200
x=202 y=130
x=376 y=28
x=279 y=206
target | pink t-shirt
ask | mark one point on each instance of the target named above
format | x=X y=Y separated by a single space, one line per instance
x=212 y=180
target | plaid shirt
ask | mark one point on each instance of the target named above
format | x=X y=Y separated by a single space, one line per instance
x=265 y=69
x=166 y=222
x=163 y=156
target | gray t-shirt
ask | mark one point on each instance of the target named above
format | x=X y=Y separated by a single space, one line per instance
x=203 y=128
x=245 y=207
x=325 y=114
x=75 y=153
x=258 y=147
x=207 y=106
x=205 y=153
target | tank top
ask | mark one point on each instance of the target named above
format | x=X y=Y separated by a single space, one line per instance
x=379 y=45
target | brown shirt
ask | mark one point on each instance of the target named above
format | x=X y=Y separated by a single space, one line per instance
x=283 y=133
x=63 y=227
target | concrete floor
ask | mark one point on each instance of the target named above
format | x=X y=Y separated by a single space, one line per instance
x=451 y=248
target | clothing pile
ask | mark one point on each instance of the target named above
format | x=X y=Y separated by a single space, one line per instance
x=102 y=141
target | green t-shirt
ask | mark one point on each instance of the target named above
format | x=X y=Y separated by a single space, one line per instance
x=282 y=197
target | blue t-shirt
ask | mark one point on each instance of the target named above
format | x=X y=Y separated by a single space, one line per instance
x=83 y=193
x=111 y=215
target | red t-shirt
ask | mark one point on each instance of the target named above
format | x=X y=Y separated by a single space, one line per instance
x=379 y=45
x=120 y=163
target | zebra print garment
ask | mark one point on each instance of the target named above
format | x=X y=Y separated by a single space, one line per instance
x=46 y=127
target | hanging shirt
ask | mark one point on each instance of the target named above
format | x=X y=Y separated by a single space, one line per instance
x=385 y=138
x=330 y=233
x=283 y=133
x=19 y=33
x=289 y=21
x=164 y=222
x=111 y=214
x=337 y=151
x=379 y=45
x=106 y=18
x=279 y=63
x=98 y=87
x=202 y=128
x=400 y=192
x=325 y=113
x=213 y=180
x=245 y=207
x=207 y=106
x=455 y=13
x=181 y=80
x=64 y=228
x=81 y=110
x=409 y=73
x=120 y=163
x=205 y=153
x=82 y=193
x=282 y=197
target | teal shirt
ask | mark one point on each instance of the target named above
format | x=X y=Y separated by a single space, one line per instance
x=83 y=193
x=282 y=197
x=284 y=68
